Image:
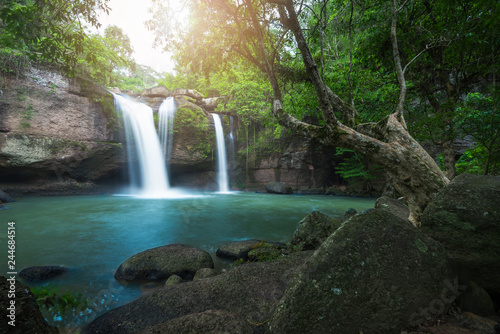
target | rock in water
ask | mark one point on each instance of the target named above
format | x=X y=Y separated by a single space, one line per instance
x=375 y=274
x=5 y=198
x=239 y=249
x=465 y=217
x=313 y=230
x=279 y=188
x=159 y=263
x=251 y=290
x=41 y=273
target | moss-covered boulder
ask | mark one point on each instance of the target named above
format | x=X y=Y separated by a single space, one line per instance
x=313 y=230
x=393 y=206
x=251 y=290
x=211 y=321
x=465 y=218
x=160 y=263
x=375 y=274
x=240 y=249
x=24 y=315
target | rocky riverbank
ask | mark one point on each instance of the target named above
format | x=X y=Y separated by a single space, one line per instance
x=371 y=272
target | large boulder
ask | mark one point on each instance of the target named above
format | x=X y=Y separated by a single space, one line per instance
x=274 y=187
x=211 y=321
x=187 y=92
x=25 y=314
x=251 y=290
x=158 y=91
x=393 y=206
x=239 y=249
x=313 y=230
x=375 y=274
x=5 y=198
x=465 y=217
x=160 y=263
x=41 y=273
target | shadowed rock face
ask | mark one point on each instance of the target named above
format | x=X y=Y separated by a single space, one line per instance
x=205 y=322
x=28 y=318
x=465 y=218
x=374 y=274
x=313 y=230
x=160 y=263
x=250 y=290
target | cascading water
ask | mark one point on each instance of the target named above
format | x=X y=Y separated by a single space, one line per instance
x=222 y=177
x=150 y=178
x=166 y=126
x=230 y=140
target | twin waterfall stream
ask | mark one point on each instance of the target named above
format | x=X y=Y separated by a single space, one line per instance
x=149 y=152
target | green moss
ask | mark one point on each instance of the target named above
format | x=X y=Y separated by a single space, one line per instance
x=421 y=246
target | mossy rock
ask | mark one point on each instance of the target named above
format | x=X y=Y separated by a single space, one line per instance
x=313 y=230
x=375 y=274
x=160 y=263
x=465 y=217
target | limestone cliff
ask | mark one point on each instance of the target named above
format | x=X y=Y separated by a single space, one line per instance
x=54 y=129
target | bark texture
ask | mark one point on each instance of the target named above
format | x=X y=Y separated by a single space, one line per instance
x=410 y=168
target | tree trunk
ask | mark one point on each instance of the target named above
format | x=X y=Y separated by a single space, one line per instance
x=449 y=159
x=410 y=168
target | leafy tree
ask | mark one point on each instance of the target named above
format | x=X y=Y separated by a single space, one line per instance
x=52 y=31
x=478 y=118
x=289 y=42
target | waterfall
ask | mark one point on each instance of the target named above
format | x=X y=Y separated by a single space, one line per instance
x=230 y=139
x=150 y=177
x=166 y=126
x=222 y=177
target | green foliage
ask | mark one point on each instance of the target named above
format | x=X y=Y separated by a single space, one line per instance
x=478 y=117
x=26 y=117
x=53 y=31
x=57 y=305
x=473 y=161
x=354 y=168
x=13 y=62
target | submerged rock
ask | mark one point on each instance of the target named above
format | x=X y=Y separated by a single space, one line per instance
x=313 y=230
x=27 y=316
x=375 y=274
x=465 y=217
x=160 y=263
x=279 y=188
x=41 y=273
x=239 y=249
x=5 y=198
x=250 y=290
x=211 y=321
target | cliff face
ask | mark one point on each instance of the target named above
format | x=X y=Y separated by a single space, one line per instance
x=53 y=129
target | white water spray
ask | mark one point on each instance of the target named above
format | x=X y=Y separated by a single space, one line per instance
x=222 y=177
x=166 y=115
x=142 y=141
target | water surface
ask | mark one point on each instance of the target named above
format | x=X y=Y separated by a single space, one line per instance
x=93 y=235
